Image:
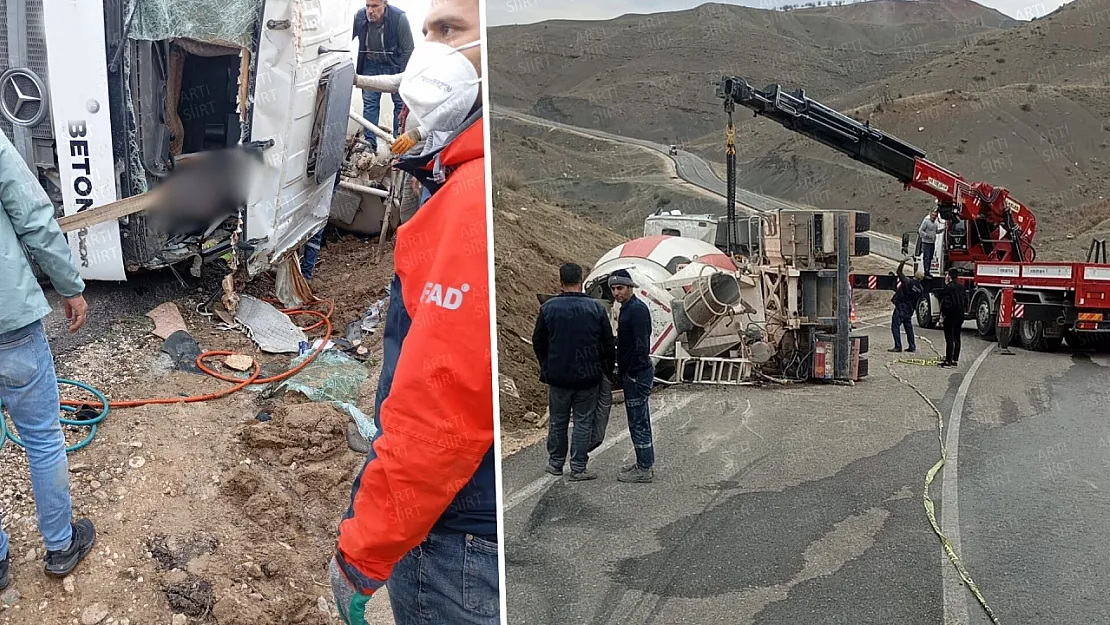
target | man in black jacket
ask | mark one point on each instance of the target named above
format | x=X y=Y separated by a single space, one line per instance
x=384 y=47
x=906 y=296
x=573 y=341
x=953 y=303
x=637 y=374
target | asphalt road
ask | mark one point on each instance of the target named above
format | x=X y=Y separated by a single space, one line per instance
x=803 y=504
x=1034 y=483
x=696 y=171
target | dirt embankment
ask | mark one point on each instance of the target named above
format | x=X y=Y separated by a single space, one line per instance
x=533 y=238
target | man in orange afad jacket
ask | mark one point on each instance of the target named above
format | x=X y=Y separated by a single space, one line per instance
x=423 y=514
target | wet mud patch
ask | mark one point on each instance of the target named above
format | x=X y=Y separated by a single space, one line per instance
x=192 y=597
x=297 y=433
x=176 y=552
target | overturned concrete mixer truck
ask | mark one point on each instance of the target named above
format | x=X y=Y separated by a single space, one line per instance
x=777 y=309
x=119 y=99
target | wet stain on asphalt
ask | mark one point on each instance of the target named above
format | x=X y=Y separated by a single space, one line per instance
x=755 y=540
x=1009 y=411
x=564 y=506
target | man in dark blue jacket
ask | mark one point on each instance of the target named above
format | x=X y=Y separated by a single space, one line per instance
x=573 y=341
x=384 y=47
x=637 y=373
x=906 y=296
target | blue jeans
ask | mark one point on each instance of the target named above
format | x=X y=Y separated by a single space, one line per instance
x=927 y=252
x=561 y=402
x=447 y=578
x=372 y=103
x=637 y=388
x=902 y=320
x=29 y=390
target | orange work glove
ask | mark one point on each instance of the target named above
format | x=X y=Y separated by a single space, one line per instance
x=405 y=142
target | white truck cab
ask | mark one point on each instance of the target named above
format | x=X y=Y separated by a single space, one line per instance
x=105 y=99
x=702 y=227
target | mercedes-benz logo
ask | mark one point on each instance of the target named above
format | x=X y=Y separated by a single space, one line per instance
x=23 y=97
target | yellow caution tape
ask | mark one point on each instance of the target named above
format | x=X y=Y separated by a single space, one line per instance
x=925 y=362
x=947 y=544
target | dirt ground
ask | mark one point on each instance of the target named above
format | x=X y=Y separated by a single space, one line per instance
x=222 y=512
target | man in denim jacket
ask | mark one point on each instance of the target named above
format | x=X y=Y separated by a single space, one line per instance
x=28 y=384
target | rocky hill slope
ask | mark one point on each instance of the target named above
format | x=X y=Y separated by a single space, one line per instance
x=1022 y=105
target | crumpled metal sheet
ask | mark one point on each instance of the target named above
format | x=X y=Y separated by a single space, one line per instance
x=233 y=22
x=272 y=329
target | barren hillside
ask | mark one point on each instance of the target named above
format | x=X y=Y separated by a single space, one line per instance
x=1023 y=106
x=652 y=76
x=604 y=182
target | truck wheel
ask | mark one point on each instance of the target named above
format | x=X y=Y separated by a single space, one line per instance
x=984 y=315
x=863 y=245
x=1033 y=336
x=863 y=221
x=925 y=313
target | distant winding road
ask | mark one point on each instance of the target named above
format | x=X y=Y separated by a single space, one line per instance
x=696 y=171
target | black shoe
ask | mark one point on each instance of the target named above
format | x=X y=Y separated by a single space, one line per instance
x=62 y=563
x=637 y=476
x=582 y=476
x=5 y=571
x=553 y=470
x=944 y=364
x=896 y=350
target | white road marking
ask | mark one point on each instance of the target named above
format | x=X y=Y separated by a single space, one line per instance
x=954 y=591
x=547 y=480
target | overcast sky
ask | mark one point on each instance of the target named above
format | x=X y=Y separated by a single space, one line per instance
x=500 y=12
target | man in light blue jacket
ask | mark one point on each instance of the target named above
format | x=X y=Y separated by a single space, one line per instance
x=28 y=383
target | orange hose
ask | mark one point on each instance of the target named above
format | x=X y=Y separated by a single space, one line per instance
x=325 y=319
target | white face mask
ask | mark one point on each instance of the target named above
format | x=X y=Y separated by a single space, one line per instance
x=440 y=85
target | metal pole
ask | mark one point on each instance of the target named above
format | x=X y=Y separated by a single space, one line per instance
x=388 y=138
x=843 y=298
x=358 y=188
x=730 y=165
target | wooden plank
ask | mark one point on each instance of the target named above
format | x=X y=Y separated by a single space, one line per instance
x=108 y=212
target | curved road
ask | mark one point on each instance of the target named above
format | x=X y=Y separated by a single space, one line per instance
x=696 y=171
x=803 y=504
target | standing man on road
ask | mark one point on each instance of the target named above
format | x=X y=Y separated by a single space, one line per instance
x=28 y=383
x=573 y=341
x=906 y=295
x=636 y=374
x=384 y=47
x=423 y=513
x=927 y=234
x=953 y=303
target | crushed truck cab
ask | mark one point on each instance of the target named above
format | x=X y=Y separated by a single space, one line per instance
x=126 y=97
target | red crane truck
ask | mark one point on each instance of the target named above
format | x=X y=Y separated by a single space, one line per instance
x=987 y=235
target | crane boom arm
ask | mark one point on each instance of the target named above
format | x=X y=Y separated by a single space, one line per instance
x=1004 y=226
